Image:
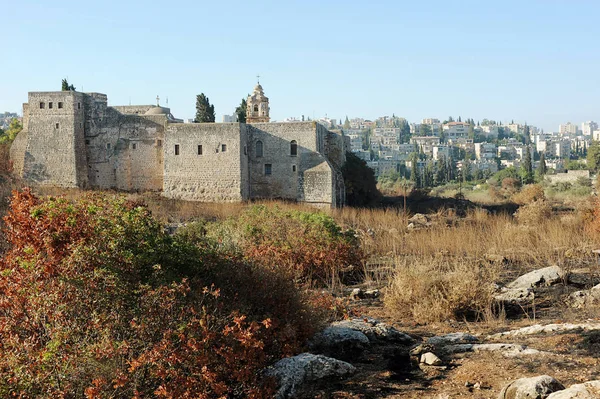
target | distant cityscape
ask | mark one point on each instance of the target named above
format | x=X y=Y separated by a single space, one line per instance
x=6 y=118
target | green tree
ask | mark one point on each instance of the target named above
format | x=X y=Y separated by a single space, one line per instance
x=66 y=86
x=527 y=167
x=8 y=136
x=404 y=131
x=425 y=130
x=240 y=111
x=593 y=156
x=346 y=123
x=414 y=170
x=542 y=169
x=360 y=182
x=466 y=171
x=441 y=171
x=205 y=112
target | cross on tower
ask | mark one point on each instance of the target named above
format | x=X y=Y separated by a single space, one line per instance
x=258 y=78
x=157 y=101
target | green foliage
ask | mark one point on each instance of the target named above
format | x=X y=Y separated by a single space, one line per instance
x=510 y=172
x=424 y=130
x=99 y=301
x=527 y=167
x=8 y=136
x=542 y=168
x=66 y=86
x=205 y=111
x=240 y=111
x=593 y=156
x=359 y=179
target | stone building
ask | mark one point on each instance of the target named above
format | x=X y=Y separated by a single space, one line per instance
x=73 y=139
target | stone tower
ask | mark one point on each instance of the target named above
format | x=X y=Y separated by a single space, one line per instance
x=257 y=110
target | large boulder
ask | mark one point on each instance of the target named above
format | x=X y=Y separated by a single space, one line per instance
x=587 y=390
x=531 y=388
x=294 y=373
x=452 y=338
x=339 y=342
x=585 y=298
x=546 y=276
x=375 y=330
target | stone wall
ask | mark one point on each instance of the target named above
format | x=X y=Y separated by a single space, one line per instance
x=53 y=153
x=132 y=109
x=215 y=175
x=570 y=176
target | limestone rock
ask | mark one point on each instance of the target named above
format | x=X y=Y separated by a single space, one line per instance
x=507 y=350
x=587 y=390
x=515 y=295
x=375 y=330
x=339 y=342
x=431 y=359
x=293 y=373
x=358 y=293
x=582 y=299
x=549 y=328
x=546 y=276
x=531 y=388
x=452 y=338
x=419 y=219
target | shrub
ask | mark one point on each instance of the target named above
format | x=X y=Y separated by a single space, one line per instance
x=529 y=194
x=98 y=301
x=534 y=212
x=435 y=289
x=309 y=246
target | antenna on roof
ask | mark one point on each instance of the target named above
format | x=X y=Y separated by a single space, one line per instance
x=157 y=100
x=167 y=100
x=258 y=79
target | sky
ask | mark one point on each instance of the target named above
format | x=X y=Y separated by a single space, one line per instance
x=533 y=61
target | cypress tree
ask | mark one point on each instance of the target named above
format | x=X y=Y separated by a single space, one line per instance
x=205 y=112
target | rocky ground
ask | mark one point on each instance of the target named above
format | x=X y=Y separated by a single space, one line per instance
x=550 y=340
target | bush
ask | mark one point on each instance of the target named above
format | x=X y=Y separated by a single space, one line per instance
x=529 y=194
x=309 y=246
x=98 y=301
x=436 y=290
x=534 y=212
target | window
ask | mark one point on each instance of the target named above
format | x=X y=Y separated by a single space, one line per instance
x=223 y=147
x=78 y=105
x=50 y=105
x=60 y=105
x=56 y=126
x=199 y=149
x=159 y=143
x=256 y=108
x=133 y=146
x=293 y=148
x=259 y=149
x=293 y=168
x=87 y=142
x=108 y=146
x=176 y=149
x=42 y=105
x=268 y=169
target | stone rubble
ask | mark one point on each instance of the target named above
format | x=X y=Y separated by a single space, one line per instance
x=531 y=388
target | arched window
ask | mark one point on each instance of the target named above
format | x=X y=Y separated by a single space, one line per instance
x=259 y=149
x=293 y=148
x=256 y=108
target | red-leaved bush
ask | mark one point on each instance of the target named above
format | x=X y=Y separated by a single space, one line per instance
x=97 y=301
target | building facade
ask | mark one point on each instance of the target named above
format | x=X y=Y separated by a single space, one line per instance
x=73 y=139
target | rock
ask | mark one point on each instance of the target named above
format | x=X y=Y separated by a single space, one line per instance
x=371 y=294
x=431 y=359
x=452 y=338
x=583 y=280
x=515 y=295
x=339 y=342
x=358 y=293
x=549 y=328
x=419 y=219
x=494 y=258
x=531 y=388
x=583 y=299
x=420 y=349
x=587 y=390
x=375 y=330
x=546 y=276
x=507 y=350
x=294 y=373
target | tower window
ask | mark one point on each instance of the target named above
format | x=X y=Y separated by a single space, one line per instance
x=223 y=147
x=60 y=105
x=259 y=149
x=159 y=143
x=78 y=105
x=108 y=146
x=176 y=149
x=199 y=149
x=42 y=105
x=50 y=105
x=293 y=148
x=133 y=146
x=268 y=169
x=56 y=126
x=256 y=108
x=293 y=168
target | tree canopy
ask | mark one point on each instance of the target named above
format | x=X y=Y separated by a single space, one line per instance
x=359 y=179
x=66 y=86
x=240 y=111
x=205 y=112
x=8 y=136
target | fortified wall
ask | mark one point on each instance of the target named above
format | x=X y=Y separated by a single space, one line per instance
x=73 y=139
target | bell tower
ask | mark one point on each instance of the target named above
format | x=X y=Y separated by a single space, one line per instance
x=257 y=110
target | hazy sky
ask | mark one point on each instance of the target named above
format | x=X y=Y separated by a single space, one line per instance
x=533 y=61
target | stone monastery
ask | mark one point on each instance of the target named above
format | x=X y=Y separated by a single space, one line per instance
x=73 y=139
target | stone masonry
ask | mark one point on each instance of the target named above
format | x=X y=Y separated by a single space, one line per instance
x=73 y=139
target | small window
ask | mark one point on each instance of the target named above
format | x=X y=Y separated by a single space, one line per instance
x=259 y=149
x=199 y=149
x=60 y=105
x=256 y=108
x=159 y=143
x=293 y=168
x=87 y=142
x=42 y=105
x=78 y=105
x=56 y=126
x=268 y=169
x=108 y=146
x=176 y=149
x=223 y=147
x=293 y=148
x=50 y=105
x=134 y=146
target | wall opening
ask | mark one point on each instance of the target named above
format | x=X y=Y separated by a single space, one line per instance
x=199 y=149
x=268 y=169
x=223 y=147
x=293 y=168
x=78 y=105
x=56 y=126
x=134 y=146
x=293 y=148
x=176 y=149
x=60 y=105
x=108 y=146
x=259 y=149
x=50 y=105
x=256 y=108
x=42 y=105
x=159 y=143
